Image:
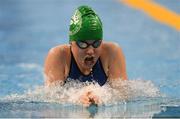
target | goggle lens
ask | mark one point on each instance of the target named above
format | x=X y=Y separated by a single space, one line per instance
x=83 y=44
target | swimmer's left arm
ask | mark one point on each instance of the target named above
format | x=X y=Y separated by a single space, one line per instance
x=117 y=65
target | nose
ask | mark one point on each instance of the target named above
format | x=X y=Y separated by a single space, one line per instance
x=90 y=50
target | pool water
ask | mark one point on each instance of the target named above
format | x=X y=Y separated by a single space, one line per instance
x=28 y=29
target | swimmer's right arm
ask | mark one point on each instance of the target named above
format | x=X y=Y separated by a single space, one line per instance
x=54 y=67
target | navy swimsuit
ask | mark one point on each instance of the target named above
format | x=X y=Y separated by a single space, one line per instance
x=97 y=74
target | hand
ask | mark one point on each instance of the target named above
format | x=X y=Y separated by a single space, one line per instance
x=89 y=98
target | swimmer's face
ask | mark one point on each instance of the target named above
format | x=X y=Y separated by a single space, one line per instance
x=86 y=53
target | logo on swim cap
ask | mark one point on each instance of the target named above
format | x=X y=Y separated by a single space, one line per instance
x=85 y=25
x=75 y=23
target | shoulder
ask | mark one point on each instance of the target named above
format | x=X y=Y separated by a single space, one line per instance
x=115 y=61
x=111 y=48
x=59 y=52
x=56 y=62
x=111 y=53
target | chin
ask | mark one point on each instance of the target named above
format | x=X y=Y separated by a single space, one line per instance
x=88 y=66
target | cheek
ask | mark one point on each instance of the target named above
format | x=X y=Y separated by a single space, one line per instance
x=98 y=52
x=80 y=53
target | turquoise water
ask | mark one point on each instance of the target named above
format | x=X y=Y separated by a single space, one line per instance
x=28 y=29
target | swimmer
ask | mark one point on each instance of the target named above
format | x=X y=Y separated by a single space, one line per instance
x=87 y=57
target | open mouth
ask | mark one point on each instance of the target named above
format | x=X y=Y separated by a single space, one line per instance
x=89 y=61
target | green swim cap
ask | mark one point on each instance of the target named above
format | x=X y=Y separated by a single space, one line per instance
x=85 y=25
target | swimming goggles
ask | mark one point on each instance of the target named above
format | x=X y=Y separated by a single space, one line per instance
x=84 y=44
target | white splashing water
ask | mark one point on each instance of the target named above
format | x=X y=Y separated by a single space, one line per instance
x=113 y=92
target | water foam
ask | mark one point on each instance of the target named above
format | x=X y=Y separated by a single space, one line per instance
x=114 y=92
